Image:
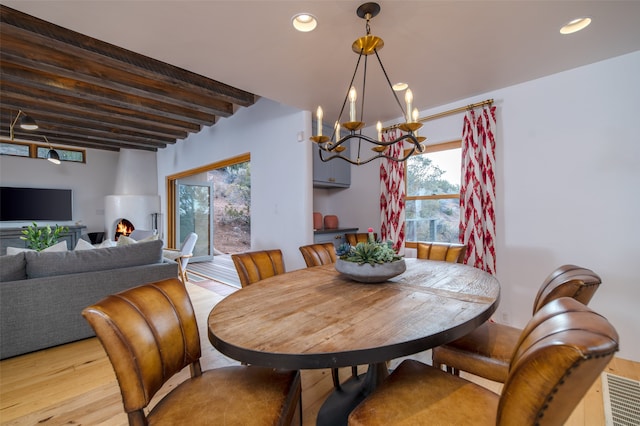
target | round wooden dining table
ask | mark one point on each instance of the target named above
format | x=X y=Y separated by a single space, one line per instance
x=318 y=318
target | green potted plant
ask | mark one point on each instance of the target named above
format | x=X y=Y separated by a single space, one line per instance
x=39 y=238
x=370 y=262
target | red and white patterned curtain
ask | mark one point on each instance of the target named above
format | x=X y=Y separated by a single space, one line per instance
x=392 y=191
x=478 y=191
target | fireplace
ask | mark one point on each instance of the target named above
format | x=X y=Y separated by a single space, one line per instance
x=123 y=227
x=139 y=211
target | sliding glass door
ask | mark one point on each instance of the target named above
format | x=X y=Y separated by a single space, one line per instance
x=194 y=214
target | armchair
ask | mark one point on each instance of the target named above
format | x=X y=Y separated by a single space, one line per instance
x=182 y=256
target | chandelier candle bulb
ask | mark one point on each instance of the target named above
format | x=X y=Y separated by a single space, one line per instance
x=319 y=120
x=352 y=104
x=408 y=99
x=337 y=131
x=379 y=128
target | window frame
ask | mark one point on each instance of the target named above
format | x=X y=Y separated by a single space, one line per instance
x=444 y=146
x=33 y=150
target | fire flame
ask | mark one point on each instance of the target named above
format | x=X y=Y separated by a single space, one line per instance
x=123 y=229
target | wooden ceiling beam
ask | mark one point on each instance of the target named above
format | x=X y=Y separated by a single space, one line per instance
x=56 y=142
x=93 y=121
x=93 y=74
x=79 y=90
x=85 y=92
x=80 y=106
x=94 y=49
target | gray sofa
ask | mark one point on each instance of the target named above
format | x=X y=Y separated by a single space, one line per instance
x=42 y=294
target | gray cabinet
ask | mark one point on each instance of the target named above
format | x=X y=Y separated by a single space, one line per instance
x=335 y=236
x=10 y=237
x=331 y=174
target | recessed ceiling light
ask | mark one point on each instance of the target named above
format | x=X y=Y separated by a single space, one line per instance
x=398 y=87
x=304 y=22
x=575 y=25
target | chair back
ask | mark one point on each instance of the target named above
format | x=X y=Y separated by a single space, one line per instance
x=567 y=281
x=561 y=353
x=149 y=333
x=186 y=249
x=318 y=254
x=360 y=237
x=448 y=252
x=258 y=265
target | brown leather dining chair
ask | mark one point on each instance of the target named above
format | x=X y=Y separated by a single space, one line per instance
x=254 y=266
x=150 y=334
x=448 y=252
x=318 y=254
x=560 y=354
x=353 y=238
x=487 y=350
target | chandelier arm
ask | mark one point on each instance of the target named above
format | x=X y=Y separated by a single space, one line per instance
x=395 y=95
x=331 y=148
x=358 y=162
x=414 y=141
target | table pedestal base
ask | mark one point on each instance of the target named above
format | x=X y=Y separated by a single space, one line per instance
x=335 y=410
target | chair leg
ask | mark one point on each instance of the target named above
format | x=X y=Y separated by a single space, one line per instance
x=336 y=378
x=452 y=370
x=182 y=273
x=354 y=371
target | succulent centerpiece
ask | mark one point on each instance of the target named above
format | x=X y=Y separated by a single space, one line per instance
x=369 y=262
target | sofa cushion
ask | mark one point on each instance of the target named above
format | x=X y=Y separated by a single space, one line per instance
x=13 y=268
x=72 y=262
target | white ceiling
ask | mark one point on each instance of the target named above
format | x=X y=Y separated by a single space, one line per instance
x=445 y=50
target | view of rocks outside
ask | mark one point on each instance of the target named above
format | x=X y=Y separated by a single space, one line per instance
x=231 y=208
x=436 y=178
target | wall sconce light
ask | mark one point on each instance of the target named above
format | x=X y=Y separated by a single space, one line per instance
x=26 y=122
x=52 y=155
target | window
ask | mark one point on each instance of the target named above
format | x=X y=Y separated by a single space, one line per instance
x=35 y=150
x=432 y=201
x=64 y=154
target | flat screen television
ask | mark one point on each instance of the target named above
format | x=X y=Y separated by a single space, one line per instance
x=35 y=204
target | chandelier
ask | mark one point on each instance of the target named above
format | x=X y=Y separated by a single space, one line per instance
x=332 y=147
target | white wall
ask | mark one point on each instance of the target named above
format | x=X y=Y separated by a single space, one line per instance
x=567 y=183
x=281 y=200
x=90 y=183
x=136 y=173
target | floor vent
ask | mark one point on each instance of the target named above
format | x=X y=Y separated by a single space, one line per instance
x=621 y=400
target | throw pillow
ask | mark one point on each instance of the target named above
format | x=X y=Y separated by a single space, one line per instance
x=15 y=250
x=123 y=240
x=61 y=246
x=84 y=245
x=107 y=243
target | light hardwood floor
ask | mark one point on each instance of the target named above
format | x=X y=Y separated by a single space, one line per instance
x=74 y=383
